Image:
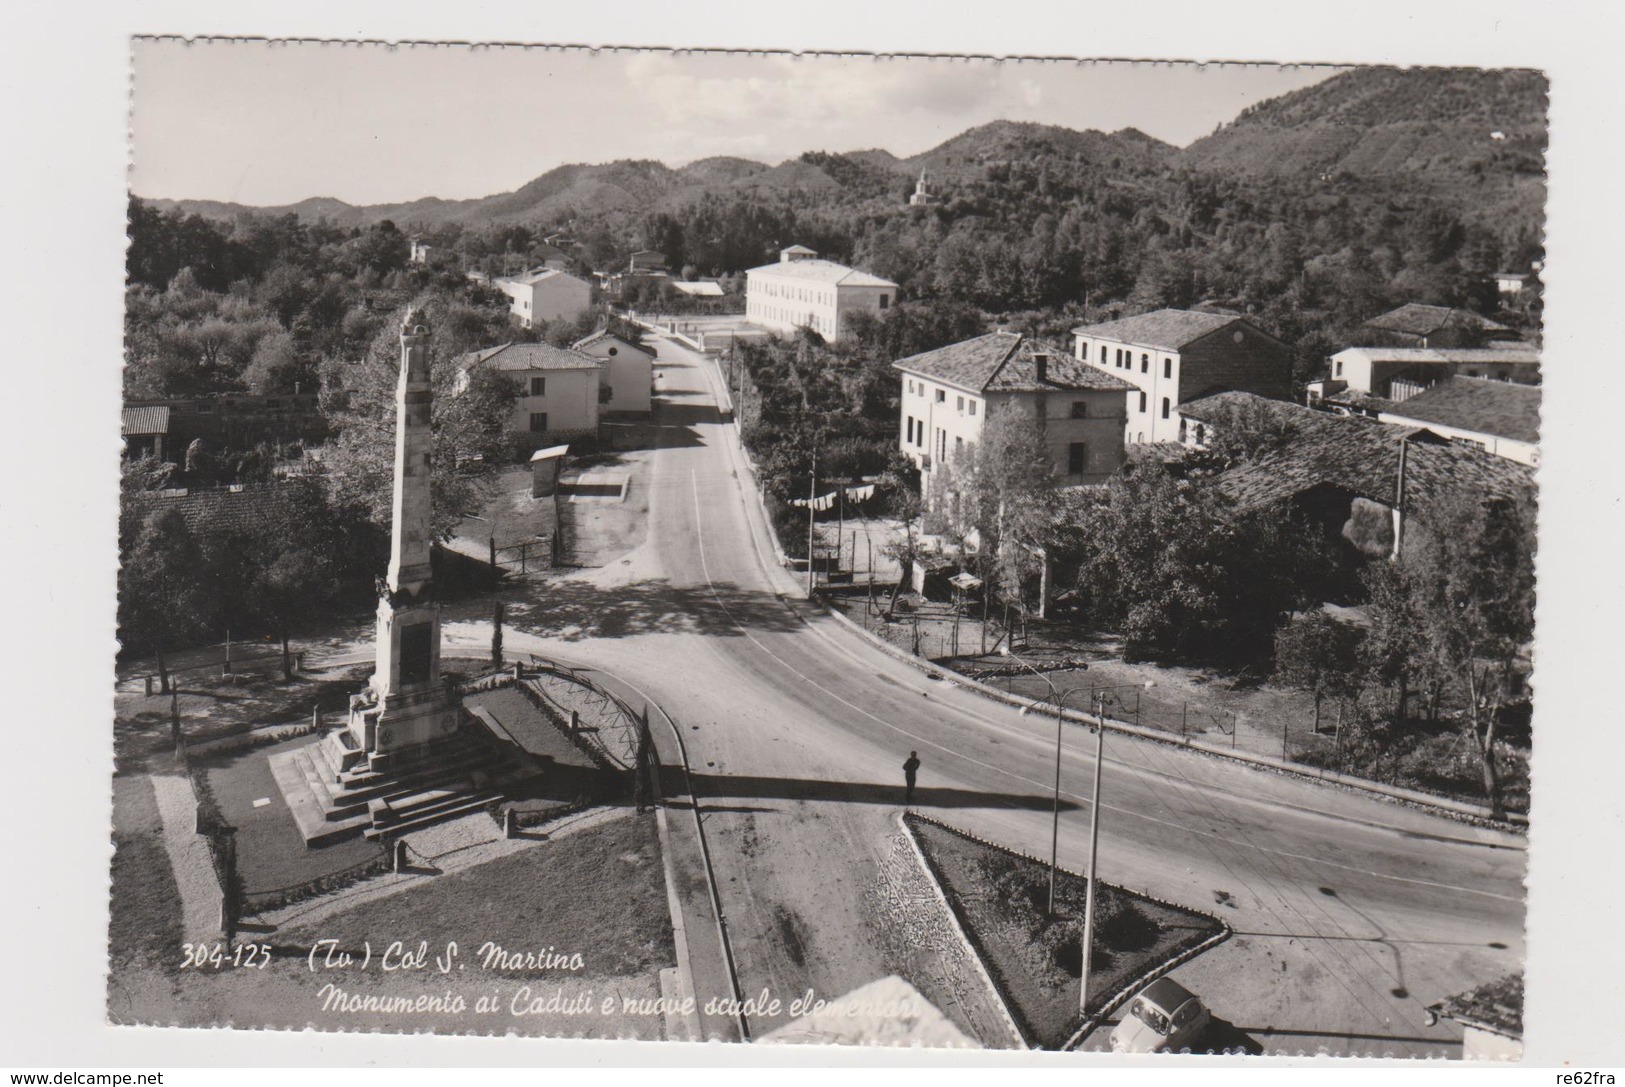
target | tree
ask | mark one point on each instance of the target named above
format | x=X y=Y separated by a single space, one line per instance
x=905 y=552
x=276 y=366
x=1318 y=654
x=163 y=593
x=1472 y=582
x=359 y=402
x=1181 y=573
x=1009 y=498
x=294 y=575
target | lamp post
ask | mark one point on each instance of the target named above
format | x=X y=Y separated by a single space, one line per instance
x=1058 y=699
x=1096 y=696
x=1097 y=701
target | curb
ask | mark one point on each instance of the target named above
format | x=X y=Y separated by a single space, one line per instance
x=1116 y=999
x=964 y=939
x=679 y=933
x=1439 y=805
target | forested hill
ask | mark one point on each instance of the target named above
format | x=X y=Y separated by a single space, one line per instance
x=1312 y=212
x=816 y=176
x=1477 y=138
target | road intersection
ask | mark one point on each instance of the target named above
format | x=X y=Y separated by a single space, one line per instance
x=1350 y=913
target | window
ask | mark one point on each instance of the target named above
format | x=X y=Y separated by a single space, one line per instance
x=885 y=300
x=1102 y=354
x=1168 y=367
x=1337 y=368
x=972 y=407
x=1142 y=402
x=538 y=386
x=1076 y=458
x=538 y=422
x=1080 y=409
x=960 y=407
x=942 y=396
x=959 y=447
x=1201 y=433
x=1145 y=364
x=1182 y=422
x=1165 y=407
x=614 y=351
x=1118 y=358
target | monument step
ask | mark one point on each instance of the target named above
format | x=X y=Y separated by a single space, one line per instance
x=370 y=785
x=309 y=765
x=335 y=756
x=448 y=809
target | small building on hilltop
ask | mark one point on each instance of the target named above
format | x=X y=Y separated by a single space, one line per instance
x=1172 y=357
x=947 y=394
x=558 y=387
x=545 y=294
x=802 y=291
x=1418 y=325
x=628 y=372
x=922 y=196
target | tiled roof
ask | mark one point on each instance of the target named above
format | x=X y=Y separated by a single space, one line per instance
x=1020 y=372
x=705 y=288
x=147 y=420
x=1420 y=320
x=1218 y=408
x=1496 y=1006
x=1362 y=457
x=604 y=334
x=1520 y=353
x=1477 y=404
x=529 y=356
x=225 y=511
x=1169 y=329
x=821 y=271
x=537 y=275
x=1003 y=361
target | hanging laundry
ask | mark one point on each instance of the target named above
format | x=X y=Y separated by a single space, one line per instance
x=821 y=503
x=860 y=494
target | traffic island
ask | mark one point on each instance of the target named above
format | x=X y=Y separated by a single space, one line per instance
x=1034 y=958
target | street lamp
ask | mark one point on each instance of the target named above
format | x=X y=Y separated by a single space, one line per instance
x=1094 y=836
x=1098 y=706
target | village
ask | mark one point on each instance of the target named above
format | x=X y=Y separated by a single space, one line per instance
x=476 y=575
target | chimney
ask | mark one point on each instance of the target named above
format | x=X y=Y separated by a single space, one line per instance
x=1041 y=365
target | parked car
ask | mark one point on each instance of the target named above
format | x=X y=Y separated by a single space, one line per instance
x=1165 y=1017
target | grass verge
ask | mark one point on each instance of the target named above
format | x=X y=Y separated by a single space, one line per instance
x=599 y=891
x=1035 y=959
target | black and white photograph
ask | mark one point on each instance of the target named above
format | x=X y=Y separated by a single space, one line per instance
x=828 y=549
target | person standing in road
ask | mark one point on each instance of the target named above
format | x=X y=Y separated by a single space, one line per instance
x=911 y=770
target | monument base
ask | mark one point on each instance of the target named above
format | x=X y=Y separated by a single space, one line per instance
x=388 y=728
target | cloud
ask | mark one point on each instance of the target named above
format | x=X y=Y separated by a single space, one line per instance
x=701 y=91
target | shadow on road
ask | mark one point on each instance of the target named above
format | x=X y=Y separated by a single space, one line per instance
x=578 y=610
x=1223 y=1037
x=861 y=792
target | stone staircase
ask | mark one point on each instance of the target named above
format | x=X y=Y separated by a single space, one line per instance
x=333 y=793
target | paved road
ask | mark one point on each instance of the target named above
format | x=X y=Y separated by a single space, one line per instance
x=1350 y=913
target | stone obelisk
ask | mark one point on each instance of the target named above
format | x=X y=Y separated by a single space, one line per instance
x=406 y=705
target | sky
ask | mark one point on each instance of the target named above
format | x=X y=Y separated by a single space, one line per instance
x=269 y=123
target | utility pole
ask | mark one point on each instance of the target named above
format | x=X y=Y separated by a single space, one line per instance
x=812 y=497
x=1094 y=858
